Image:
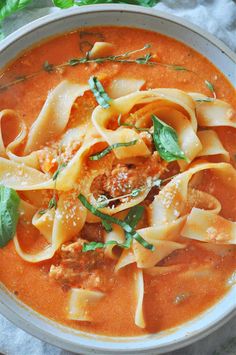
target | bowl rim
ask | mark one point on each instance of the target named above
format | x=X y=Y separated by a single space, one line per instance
x=53 y=17
x=5 y=310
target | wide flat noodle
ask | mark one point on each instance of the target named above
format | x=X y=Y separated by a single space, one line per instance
x=54 y=115
x=214 y=113
x=21 y=177
x=139 y=293
x=211 y=145
x=101 y=49
x=146 y=258
x=122 y=106
x=127 y=257
x=208 y=227
x=168 y=213
x=175 y=199
x=117 y=234
x=19 y=127
x=124 y=86
x=81 y=304
x=163 y=238
x=57 y=226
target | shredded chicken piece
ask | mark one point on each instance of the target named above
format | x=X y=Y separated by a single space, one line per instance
x=90 y=270
x=124 y=178
x=92 y=232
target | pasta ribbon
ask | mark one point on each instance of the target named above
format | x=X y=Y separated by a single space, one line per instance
x=208 y=227
x=54 y=115
x=58 y=226
x=139 y=292
x=81 y=303
x=174 y=106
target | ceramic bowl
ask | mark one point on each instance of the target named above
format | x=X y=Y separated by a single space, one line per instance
x=225 y=60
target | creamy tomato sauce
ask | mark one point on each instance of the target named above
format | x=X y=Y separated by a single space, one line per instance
x=170 y=299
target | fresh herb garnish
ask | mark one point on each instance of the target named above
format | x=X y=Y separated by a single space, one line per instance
x=107 y=226
x=61 y=166
x=166 y=141
x=120 y=58
x=110 y=219
x=144 y=60
x=48 y=67
x=179 y=68
x=106 y=151
x=100 y=94
x=132 y=218
x=52 y=203
x=210 y=86
x=9 y=214
x=102 y=201
x=205 y=99
x=131 y=125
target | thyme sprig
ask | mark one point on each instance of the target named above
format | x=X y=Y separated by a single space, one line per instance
x=106 y=151
x=120 y=58
x=131 y=125
x=210 y=86
x=53 y=201
x=103 y=201
x=129 y=229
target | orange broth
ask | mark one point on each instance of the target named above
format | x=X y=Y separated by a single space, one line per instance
x=115 y=315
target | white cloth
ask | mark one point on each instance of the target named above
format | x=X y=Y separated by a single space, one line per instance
x=219 y=18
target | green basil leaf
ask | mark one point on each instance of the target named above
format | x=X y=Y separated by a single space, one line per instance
x=106 y=151
x=107 y=226
x=9 y=7
x=123 y=224
x=98 y=245
x=132 y=218
x=100 y=95
x=146 y=3
x=134 y=215
x=166 y=141
x=205 y=99
x=9 y=214
x=104 y=216
x=64 y=4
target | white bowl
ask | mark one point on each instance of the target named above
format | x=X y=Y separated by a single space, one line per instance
x=225 y=60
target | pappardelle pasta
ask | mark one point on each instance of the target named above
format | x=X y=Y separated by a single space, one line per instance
x=121 y=191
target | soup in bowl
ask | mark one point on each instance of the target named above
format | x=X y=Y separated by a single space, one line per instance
x=117 y=173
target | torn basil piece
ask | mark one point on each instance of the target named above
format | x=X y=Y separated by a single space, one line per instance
x=166 y=141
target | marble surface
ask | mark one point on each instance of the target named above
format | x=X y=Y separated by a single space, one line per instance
x=219 y=18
